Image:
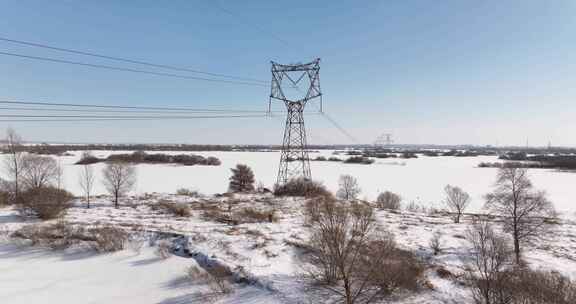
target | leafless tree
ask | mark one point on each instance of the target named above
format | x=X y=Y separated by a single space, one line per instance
x=39 y=171
x=491 y=257
x=348 y=187
x=524 y=210
x=388 y=200
x=86 y=181
x=352 y=257
x=119 y=178
x=457 y=200
x=13 y=163
x=59 y=174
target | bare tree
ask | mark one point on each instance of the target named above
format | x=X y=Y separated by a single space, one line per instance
x=13 y=163
x=349 y=188
x=353 y=258
x=388 y=200
x=86 y=181
x=39 y=171
x=457 y=200
x=491 y=257
x=524 y=211
x=119 y=178
x=60 y=175
x=242 y=179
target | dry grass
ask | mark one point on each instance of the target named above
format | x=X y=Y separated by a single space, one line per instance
x=176 y=209
x=253 y=215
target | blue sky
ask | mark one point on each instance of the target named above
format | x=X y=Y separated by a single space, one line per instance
x=444 y=72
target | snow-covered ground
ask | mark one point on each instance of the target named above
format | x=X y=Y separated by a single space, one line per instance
x=264 y=250
x=419 y=180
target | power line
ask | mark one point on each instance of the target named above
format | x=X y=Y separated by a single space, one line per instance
x=125 y=117
x=163 y=66
x=340 y=128
x=101 y=66
x=76 y=105
x=126 y=111
x=253 y=25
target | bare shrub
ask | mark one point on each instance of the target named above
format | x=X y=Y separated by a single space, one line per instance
x=301 y=187
x=457 y=200
x=6 y=193
x=187 y=192
x=414 y=207
x=217 y=277
x=108 y=238
x=435 y=242
x=253 y=215
x=524 y=211
x=353 y=258
x=242 y=179
x=56 y=236
x=389 y=200
x=176 y=209
x=119 y=178
x=46 y=202
x=348 y=188
x=526 y=286
x=163 y=249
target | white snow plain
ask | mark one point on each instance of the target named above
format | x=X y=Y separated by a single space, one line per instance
x=420 y=180
x=266 y=251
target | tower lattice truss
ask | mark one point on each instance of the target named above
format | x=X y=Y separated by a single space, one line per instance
x=294 y=159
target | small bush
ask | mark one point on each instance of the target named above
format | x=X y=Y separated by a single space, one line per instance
x=163 y=249
x=359 y=160
x=436 y=242
x=109 y=238
x=301 y=187
x=46 y=202
x=389 y=200
x=539 y=287
x=525 y=286
x=176 y=209
x=187 y=192
x=252 y=215
x=56 y=236
x=217 y=277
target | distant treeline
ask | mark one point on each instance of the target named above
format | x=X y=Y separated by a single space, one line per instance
x=157 y=158
x=394 y=153
x=59 y=149
x=544 y=161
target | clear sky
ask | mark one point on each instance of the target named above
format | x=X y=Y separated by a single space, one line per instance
x=443 y=72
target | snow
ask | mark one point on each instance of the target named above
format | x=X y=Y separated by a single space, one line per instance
x=420 y=180
x=263 y=250
x=31 y=275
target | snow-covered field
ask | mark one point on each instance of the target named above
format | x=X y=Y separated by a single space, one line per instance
x=264 y=250
x=419 y=180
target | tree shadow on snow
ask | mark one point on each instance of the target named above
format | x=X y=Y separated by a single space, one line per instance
x=197 y=297
x=178 y=283
x=145 y=262
x=26 y=252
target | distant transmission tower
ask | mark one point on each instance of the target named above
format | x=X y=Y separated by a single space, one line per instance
x=294 y=161
x=384 y=140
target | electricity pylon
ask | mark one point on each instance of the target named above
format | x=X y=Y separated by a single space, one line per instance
x=294 y=159
x=384 y=140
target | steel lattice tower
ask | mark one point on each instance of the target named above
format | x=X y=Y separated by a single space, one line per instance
x=294 y=159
